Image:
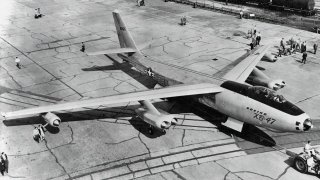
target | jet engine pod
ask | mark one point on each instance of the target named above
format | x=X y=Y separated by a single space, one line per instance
x=276 y=84
x=258 y=78
x=52 y=119
x=158 y=120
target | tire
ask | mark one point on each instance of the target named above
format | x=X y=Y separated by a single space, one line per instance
x=300 y=164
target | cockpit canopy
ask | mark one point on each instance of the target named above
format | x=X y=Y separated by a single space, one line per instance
x=266 y=92
x=264 y=95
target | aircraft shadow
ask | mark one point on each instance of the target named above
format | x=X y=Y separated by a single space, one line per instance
x=143 y=128
x=126 y=68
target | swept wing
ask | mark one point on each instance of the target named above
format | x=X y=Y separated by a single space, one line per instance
x=242 y=70
x=172 y=91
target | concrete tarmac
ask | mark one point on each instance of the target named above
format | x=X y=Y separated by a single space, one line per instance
x=104 y=142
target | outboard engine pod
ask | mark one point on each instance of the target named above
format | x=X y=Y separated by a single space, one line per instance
x=52 y=119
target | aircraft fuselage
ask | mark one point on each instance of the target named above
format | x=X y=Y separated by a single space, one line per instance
x=240 y=103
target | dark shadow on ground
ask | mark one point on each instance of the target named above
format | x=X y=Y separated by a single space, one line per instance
x=126 y=68
x=260 y=68
x=143 y=128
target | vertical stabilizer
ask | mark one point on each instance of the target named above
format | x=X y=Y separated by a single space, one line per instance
x=124 y=35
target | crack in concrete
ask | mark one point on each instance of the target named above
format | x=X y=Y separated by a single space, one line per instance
x=163 y=176
x=183 y=135
x=55 y=91
x=179 y=175
x=7 y=72
x=36 y=63
x=225 y=176
x=307 y=98
x=252 y=173
x=56 y=158
x=72 y=138
x=227 y=170
x=121 y=141
x=144 y=143
x=283 y=173
x=15 y=177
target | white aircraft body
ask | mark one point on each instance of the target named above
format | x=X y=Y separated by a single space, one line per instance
x=242 y=103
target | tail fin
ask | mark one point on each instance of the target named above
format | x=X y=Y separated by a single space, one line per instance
x=124 y=35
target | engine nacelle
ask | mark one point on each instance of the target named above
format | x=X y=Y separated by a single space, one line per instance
x=258 y=78
x=276 y=84
x=160 y=121
x=52 y=119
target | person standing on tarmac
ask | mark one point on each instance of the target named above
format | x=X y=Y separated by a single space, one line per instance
x=17 y=60
x=304 y=58
x=282 y=44
x=258 y=38
x=4 y=163
x=83 y=47
x=315 y=47
x=41 y=132
x=308 y=148
x=36 y=135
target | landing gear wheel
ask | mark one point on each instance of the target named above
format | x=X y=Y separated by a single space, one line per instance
x=300 y=164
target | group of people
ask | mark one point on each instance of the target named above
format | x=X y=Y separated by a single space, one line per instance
x=3 y=163
x=255 y=36
x=38 y=133
x=295 y=46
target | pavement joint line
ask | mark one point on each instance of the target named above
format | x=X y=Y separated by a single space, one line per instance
x=161 y=156
x=41 y=66
x=70 y=44
x=228 y=170
x=185 y=69
x=155 y=157
x=43 y=100
x=56 y=158
x=172 y=163
x=195 y=25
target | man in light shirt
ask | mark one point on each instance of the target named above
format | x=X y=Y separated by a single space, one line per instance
x=17 y=60
x=308 y=148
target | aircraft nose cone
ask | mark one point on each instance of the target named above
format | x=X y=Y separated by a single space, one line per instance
x=56 y=123
x=307 y=125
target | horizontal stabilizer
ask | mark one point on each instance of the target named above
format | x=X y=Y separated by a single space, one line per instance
x=113 y=51
x=233 y=124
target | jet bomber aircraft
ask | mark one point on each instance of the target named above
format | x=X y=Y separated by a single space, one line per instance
x=255 y=104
